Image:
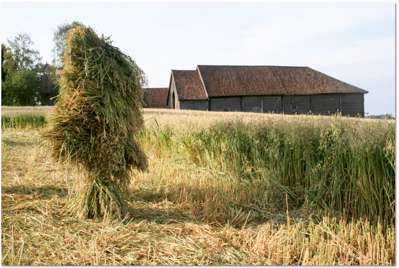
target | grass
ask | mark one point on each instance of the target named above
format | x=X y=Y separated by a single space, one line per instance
x=21 y=122
x=198 y=204
x=24 y=117
x=14 y=111
x=339 y=164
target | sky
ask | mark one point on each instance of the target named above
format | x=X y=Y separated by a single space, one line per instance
x=353 y=42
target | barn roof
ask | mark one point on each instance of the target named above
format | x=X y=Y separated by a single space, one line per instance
x=156 y=97
x=189 y=85
x=269 y=80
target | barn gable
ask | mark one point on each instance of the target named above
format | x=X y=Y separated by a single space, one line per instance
x=189 y=85
x=186 y=91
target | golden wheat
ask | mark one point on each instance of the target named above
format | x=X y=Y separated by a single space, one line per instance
x=36 y=230
x=191 y=207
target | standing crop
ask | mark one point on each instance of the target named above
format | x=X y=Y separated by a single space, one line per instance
x=95 y=119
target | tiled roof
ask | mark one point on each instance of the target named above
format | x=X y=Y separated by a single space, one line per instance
x=156 y=97
x=189 y=85
x=269 y=80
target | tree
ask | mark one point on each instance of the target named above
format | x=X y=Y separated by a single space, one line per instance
x=8 y=64
x=20 y=65
x=5 y=85
x=3 y=54
x=21 y=52
x=60 y=36
x=21 y=89
x=381 y=116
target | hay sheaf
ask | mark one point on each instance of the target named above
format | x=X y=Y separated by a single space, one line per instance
x=96 y=116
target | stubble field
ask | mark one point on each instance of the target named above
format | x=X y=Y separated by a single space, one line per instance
x=222 y=189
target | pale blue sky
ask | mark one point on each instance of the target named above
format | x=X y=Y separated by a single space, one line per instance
x=353 y=42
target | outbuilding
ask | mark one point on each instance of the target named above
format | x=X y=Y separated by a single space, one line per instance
x=156 y=97
x=268 y=89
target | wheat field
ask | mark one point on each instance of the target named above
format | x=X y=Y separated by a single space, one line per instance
x=221 y=189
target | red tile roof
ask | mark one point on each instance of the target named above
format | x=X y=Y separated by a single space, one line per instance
x=156 y=97
x=269 y=80
x=189 y=85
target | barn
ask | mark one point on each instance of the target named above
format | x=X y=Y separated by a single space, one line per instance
x=268 y=89
x=156 y=97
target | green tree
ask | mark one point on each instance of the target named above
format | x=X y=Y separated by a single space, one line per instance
x=21 y=89
x=21 y=52
x=381 y=116
x=20 y=66
x=3 y=53
x=8 y=64
x=60 y=36
x=4 y=63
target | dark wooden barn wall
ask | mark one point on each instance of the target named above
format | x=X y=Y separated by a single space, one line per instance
x=225 y=104
x=266 y=104
x=272 y=104
x=352 y=104
x=251 y=104
x=296 y=104
x=348 y=104
x=194 y=105
x=325 y=104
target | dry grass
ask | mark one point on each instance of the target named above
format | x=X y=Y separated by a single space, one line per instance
x=25 y=110
x=174 y=215
x=94 y=121
x=343 y=164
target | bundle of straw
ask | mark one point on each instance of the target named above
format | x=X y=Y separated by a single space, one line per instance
x=95 y=118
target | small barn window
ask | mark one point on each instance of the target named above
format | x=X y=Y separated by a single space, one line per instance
x=255 y=109
x=294 y=107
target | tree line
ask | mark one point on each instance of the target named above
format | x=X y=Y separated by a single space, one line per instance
x=22 y=70
x=381 y=116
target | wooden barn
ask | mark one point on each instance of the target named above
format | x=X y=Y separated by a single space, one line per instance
x=268 y=89
x=156 y=97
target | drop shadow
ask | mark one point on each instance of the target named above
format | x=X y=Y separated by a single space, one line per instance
x=19 y=143
x=158 y=208
x=44 y=193
x=159 y=216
